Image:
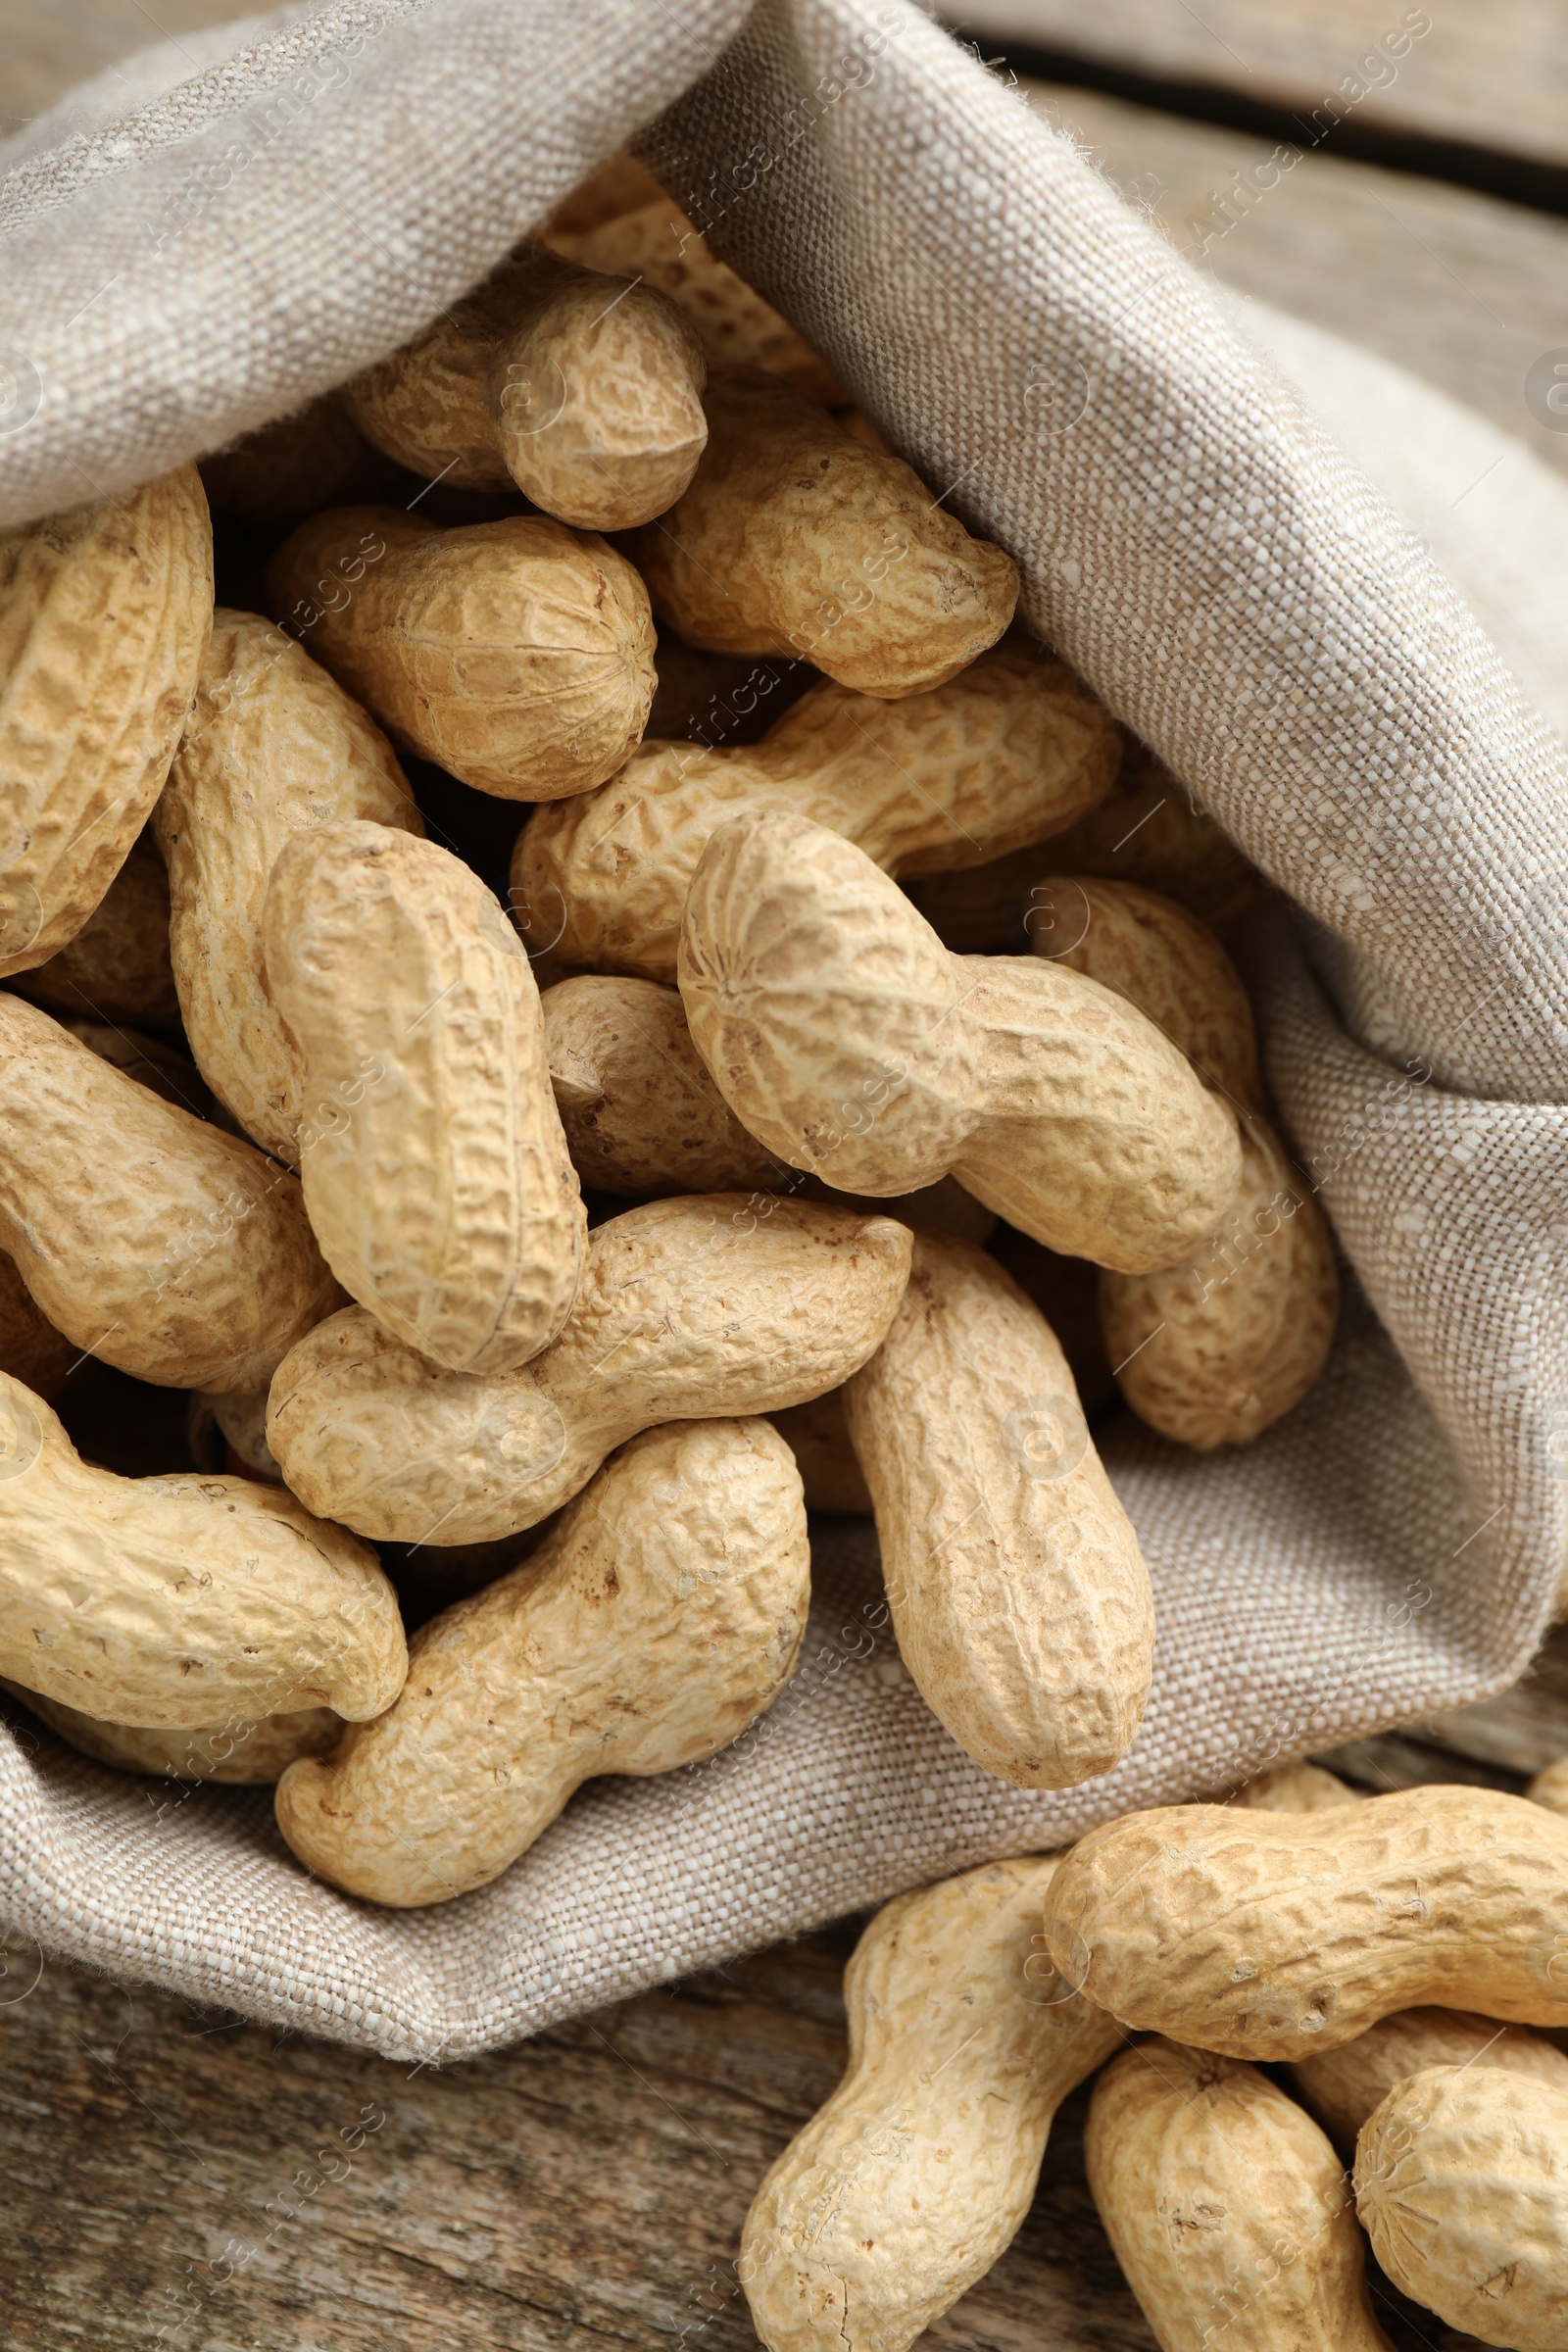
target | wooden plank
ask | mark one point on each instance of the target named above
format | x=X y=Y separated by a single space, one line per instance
x=1490 y=73
x=1458 y=287
x=178 y=2169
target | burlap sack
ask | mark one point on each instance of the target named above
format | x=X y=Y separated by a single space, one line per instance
x=1237 y=592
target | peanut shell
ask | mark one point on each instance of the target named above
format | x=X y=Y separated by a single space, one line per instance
x=795 y=538
x=582 y=390
x=518 y=654
x=237 y=1753
x=104 y=617
x=908 y=2185
x=1343 y=2086
x=274 y=746
x=1019 y=1595
x=443 y=1200
x=1273 y=1936
x=655 y=241
x=661 y=1614
x=849 y=1042
x=688 y=1310
x=117 y=966
x=147 y=1237
x=1226 y=2207
x=1461 y=2185
x=171 y=1602
x=1011 y=749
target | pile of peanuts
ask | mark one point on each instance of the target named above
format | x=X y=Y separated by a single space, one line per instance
x=843 y=1095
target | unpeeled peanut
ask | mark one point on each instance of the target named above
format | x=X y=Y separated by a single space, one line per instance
x=1011 y=749
x=657 y=242
x=795 y=538
x=641 y=1115
x=273 y=747
x=295 y=466
x=583 y=391
x=846 y=1039
x=1147 y=829
x=906 y=2188
x=1226 y=2207
x=148 y=1237
x=1019 y=1595
x=103 y=615
x=518 y=654
x=238 y=1753
x=1213 y=1352
x=445 y=1200
x=1551 y=1787
x=170 y=1600
x=1462 y=2186
x=687 y=1309
x=1277 y=1935
x=817 y=1433
x=661 y=1614
x=1342 y=2086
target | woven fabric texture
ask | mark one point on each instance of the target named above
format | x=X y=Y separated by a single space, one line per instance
x=1238 y=592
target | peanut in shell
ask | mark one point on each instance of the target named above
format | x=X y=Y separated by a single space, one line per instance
x=1019 y=1595
x=1011 y=749
x=516 y=655
x=443 y=1197
x=661 y=1614
x=273 y=748
x=104 y=618
x=795 y=538
x=849 y=1042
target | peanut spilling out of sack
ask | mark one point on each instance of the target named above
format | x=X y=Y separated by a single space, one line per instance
x=882 y=1032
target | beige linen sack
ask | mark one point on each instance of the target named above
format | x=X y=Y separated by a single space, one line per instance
x=212 y=234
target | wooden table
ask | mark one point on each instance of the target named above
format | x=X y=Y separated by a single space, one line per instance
x=587 y=2187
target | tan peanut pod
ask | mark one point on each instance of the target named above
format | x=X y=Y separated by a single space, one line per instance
x=516 y=655
x=1146 y=830
x=688 y=1310
x=445 y=1201
x=1020 y=1597
x=1461 y=2185
x=817 y=1433
x=1214 y=1353
x=1343 y=2086
x=171 y=1602
x=657 y=242
x=104 y=616
x=1295 y=1789
x=31 y=1351
x=1274 y=1936
x=643 y=1116
x=274 y=746
x=170 y=1075
x=1012 y=746
x=583 y=391
x=117 y=966
x=1226 y=2207
x=295 y=466
x=906 y=2186
x=795 y=538
x=1551 y=1787
x=238 y=1753
x=847 y=1039
x=661 y=1613
x=149 y=1238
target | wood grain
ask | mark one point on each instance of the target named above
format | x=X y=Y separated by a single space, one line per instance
x=1491 y=73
